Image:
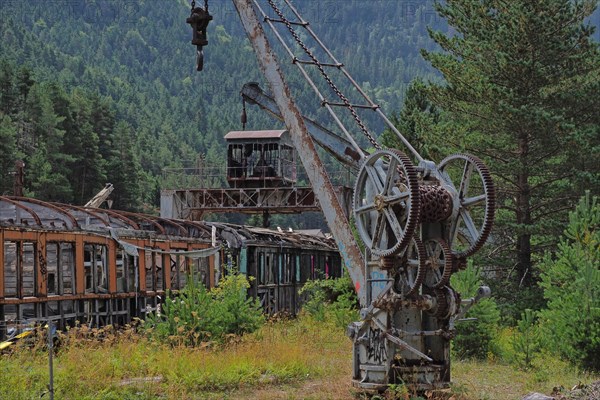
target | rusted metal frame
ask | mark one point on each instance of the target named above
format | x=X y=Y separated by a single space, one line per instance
x=79 y=265
x=89 y=211
x=356 y=85
x=40 y=266
x=86 y=296
x=334 y=144
x=141 y=265
x=143 y=217
x=165 y=266
x=338 y=122
x=306 y=150
x=19 y=267
x=248 y=197
x=365 y=107
x=112 y=266
x=182 y=230
x=198 y=226
x=121 y=217
x=51 y=206
x=307 y=62
x=33 y=214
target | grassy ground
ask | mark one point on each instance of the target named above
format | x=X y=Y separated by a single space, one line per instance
x=284 y=360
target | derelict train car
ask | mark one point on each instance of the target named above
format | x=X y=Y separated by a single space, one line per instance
x=95 y=266
x=280 y=262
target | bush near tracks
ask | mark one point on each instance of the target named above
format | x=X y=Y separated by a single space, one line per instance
x=197 y=317
x=331 y=299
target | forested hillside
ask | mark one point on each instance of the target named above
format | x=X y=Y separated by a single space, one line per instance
x=88 y=86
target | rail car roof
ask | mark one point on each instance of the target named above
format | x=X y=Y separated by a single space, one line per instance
x=239 y=135
x=28 y=213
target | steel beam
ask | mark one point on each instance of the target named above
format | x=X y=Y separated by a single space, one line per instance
x=334 y=214
x=335 y=145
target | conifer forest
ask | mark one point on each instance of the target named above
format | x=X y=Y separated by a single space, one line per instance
x=98 y=91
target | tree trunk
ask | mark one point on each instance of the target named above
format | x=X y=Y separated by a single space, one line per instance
x=523 y=215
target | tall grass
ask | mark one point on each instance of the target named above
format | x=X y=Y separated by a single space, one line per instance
x=104 y=364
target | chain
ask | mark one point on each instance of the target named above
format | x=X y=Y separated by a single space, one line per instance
x=337 y=91
x=206 y=6
x=193 y=5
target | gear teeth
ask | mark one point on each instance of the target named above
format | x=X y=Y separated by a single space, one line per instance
x=448 y=263
x=490 y=201
x=421 y=269
x=407 y=168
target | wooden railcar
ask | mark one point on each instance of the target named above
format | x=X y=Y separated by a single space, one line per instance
x=97 y=267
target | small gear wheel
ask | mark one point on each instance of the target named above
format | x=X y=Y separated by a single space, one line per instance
x=439 y=263
x=410 y=275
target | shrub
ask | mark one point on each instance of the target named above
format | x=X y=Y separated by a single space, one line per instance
x=196 y=316
x=525 y=342
x=333 y=299
x=474 y=339
x=571 y=284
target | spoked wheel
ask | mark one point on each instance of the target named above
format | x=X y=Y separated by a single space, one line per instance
x=386 y=202
x=409 y=276
x=439 y=263
x=474 y=216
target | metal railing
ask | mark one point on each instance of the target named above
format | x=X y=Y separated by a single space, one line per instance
x=215 y=176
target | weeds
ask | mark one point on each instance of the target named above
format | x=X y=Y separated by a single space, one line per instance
x=199 y=317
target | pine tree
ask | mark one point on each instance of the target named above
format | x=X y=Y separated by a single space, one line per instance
x=8 y=153
x=416 y=121
x=124 y=170
x=522 y=77
x=571 y=284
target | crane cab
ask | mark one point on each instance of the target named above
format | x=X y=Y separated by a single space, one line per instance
x=257 y=159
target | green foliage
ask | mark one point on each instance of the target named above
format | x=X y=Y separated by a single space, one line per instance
x=331 y=299
x=474 y=339
x=137 y=58
x=520 y=91
x=526 y=339
x=416 y=122
x=195 y=316
x=571 y=284
x=8 y=149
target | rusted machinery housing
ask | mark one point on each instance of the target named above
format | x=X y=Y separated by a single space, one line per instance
x=94 y=266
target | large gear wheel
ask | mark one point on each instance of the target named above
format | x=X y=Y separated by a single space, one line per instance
x=439 y=263
x=386 y=202
x=411 y=273
x=473 y=216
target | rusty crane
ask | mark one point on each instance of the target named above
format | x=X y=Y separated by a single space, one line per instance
x=417 y=220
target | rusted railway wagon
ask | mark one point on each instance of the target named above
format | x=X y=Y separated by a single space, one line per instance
x=95 y=266
x=281 y=263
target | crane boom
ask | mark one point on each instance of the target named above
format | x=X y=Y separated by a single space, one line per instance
x=340 y=228
x=335 y=145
